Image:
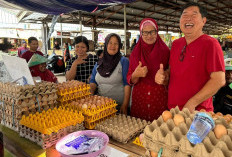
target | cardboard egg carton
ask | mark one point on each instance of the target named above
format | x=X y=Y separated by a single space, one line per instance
x=44 y=140
x=72 y=90
x=121 y=127
x=174 y=141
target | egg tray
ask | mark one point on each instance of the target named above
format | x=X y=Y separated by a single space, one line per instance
x=11 y=119
x=138 y=142
x=52 y=120
x=174 y=141
x=27 y=91
x=72 y=90
x=122 y=128
x=44 y=140
x=97 y=118
x=92 y=125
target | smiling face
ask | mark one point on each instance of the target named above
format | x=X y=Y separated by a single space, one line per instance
x=149 y=34
x=81 y=49
x=191 y=21
x=34 y=45
x=113 y=45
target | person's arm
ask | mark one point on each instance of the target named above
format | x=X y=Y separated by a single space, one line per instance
x=127 y=89
x=126 y=100
x=71 y=73
x=216 y=81
x=92 y=81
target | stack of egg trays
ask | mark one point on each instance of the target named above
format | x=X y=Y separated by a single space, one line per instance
x=44 y=140
x=98 y=114
x=173 y=139
x=122 y=128
x=17 y=101
x=66 y=95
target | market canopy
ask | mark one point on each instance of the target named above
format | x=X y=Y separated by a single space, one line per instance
x=166 y=13
x=56 y=7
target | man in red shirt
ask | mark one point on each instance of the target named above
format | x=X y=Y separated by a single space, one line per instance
x=33 y=44
x=197 y=69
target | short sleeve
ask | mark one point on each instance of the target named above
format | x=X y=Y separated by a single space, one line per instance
x=125 y=66
x=93 y=75
x=215 y=59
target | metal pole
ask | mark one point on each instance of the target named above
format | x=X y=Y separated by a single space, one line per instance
x=61 y=33
x=125 y=29
x=80 y=22
x=46 y=34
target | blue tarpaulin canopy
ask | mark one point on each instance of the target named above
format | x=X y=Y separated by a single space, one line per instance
x=57 y=7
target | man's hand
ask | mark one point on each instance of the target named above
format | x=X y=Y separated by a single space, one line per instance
x=191 y=105
x=140 y=71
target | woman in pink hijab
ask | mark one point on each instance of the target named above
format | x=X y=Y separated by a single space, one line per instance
x=150 y=54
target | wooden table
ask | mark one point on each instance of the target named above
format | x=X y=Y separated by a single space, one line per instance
x=22 y=147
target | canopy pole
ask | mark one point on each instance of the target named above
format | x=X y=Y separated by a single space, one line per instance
x=80 y=22
x=125 y=47
x=61 y=33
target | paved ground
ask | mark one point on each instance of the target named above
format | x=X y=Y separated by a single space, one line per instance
x=61 y=77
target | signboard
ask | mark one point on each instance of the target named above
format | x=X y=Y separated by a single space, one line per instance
x=18 y=69
x=63 y=33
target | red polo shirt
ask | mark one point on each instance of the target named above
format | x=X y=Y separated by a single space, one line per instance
x=202 y=57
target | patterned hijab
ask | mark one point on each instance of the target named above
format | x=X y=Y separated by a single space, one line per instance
x=109 y=62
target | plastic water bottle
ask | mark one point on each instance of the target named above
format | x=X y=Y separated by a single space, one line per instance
x=200 y=127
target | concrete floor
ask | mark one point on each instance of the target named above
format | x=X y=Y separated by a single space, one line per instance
x=61 y=77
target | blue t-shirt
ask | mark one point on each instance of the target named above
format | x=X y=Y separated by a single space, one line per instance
x=125 y=66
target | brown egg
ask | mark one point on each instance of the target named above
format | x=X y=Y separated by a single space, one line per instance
x=141 y=136
x=153 y=154
x=212 y=113
x=202 y=110
x=166 y=115
x=227 y=119
x=220 y=130
x=178 y=118
x=219 y=114
x=84 y=106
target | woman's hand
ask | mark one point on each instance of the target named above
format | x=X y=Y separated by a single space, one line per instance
x=140 y=71
x=80 y=60
x=162 y=77
x=123 y=109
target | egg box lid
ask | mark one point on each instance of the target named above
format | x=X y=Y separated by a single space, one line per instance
x=174 y=140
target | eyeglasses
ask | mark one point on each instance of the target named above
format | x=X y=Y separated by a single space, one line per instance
x=182 y=54
x=152 y=32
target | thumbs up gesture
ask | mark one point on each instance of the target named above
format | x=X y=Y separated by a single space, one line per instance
x=140 y=71
x=162 y=76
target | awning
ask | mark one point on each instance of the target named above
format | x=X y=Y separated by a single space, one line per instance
x=57 y=7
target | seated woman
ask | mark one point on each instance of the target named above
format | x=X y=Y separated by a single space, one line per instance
x=109 y=74
x=80 y=67
x=37 y=65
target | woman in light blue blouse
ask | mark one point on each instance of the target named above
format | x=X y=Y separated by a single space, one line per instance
x=109 y=74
